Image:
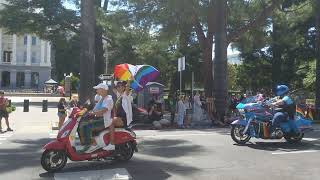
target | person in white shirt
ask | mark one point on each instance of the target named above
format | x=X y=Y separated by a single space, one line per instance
x=102 y=112
x=197 y=107
x=181 y=112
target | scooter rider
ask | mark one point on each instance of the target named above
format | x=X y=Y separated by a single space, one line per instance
x=286 y=108
x=123 y=109
x=102 y=113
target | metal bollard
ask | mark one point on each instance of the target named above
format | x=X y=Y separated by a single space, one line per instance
x=45 y=106
x=26 y=105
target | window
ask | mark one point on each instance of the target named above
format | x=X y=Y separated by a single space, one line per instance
x=34 y=40
x=20 y=79
x=33 y=57
x=25 y=40
x=7 y=56
x=35 y=79
x=25 y=56
x=5 y=79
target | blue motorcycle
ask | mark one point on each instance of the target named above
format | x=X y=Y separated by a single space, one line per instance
x=255 y=121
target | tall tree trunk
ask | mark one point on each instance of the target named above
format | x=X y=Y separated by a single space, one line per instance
x=99 y=52
x=53 y=62
x=87 y=54
x=276 y=55
x=207 y=67
x=317 y=105
x=220 y=68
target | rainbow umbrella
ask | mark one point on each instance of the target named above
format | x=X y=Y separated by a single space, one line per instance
x=143 y=75
x=124 y=72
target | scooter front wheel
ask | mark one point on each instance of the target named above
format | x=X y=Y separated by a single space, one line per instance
x=238 y=136
x=53 y=160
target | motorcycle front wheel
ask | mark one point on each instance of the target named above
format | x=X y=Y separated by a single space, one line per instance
x=238 y=136
x=294 y=138
x=53 y=160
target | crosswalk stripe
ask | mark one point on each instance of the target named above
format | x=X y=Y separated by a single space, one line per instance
x=2 y=139
x=114 y=174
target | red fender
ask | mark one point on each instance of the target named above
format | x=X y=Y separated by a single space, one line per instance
x=56 y=145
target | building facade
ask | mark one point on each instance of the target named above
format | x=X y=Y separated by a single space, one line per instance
x=25 y=61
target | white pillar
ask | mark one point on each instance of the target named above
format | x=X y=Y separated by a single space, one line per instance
x=1 y=45
x=27 y=79
x=42 y=60
x=14 y=50
x=48 y=53
x=28 y=63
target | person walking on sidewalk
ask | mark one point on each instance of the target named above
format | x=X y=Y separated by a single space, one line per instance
x=3 y=111
x=181 y=112
x=62 y=111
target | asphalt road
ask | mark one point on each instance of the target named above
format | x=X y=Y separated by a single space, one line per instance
x=168 y=154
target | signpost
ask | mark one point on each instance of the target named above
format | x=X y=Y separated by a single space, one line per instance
x=181 y=67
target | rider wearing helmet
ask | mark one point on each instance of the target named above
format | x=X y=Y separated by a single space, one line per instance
x=286 y=107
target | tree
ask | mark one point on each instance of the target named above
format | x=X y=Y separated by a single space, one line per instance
x=87 y=56
x=47 y=19
x=317 y=105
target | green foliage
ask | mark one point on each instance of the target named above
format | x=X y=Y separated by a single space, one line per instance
x=74 y=82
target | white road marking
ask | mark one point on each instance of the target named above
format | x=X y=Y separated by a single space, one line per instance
x=3 y=139
x=5 y=135
x=112 y=174
x=310 y=139
x=295 y=152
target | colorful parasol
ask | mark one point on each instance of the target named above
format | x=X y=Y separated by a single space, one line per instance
x=124 y=72
x=143 y=75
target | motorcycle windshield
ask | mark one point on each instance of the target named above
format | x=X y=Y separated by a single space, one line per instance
x=240 y=106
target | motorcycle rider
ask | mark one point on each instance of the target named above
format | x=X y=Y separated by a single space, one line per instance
x=286 y=108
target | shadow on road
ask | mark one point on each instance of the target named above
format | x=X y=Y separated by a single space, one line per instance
x=23 y=154
x=282 y=145
x=138 y=168
x=169 y=148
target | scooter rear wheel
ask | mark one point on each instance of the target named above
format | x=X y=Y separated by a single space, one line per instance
x=53 y=160
x=125 y=151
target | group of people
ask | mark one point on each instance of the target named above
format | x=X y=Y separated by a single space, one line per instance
x=185 y=108
x=108 y=112
x=4 y=103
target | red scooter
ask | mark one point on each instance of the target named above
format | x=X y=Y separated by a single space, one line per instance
x=67 y=145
